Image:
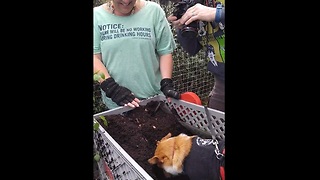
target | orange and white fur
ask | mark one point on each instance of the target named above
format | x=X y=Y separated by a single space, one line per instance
x=171 y=152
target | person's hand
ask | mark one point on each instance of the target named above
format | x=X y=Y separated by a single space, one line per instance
x=168 y=89
x=196 y=12
x=122 y=96
x=174 y=22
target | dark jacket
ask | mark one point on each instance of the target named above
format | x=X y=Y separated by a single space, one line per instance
x=202 y=162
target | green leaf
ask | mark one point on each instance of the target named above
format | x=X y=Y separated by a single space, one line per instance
x=105 y=123
x=102 y=76
x=96 y=126
x=96 y=77
x=96 y=157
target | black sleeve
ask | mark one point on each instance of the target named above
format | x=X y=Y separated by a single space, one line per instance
x=190 y=44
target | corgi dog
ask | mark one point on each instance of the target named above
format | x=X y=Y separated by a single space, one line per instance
x=189 y=155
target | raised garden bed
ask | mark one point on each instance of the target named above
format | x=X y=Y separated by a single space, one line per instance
x=129 y=138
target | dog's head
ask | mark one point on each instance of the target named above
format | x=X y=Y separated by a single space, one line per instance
x=163 y=153
x=170 y=153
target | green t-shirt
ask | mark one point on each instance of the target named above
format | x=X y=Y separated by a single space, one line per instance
x=131 y=46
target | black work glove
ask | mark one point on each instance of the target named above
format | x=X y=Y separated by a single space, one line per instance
x=167 y=88
x=117 y=93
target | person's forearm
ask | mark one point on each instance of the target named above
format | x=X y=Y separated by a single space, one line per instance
x=98 y=66
x=166 y=65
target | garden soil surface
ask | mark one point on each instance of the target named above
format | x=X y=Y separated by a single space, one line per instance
x=137 y=132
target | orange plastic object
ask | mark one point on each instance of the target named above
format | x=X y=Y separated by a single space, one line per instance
x=191 y=97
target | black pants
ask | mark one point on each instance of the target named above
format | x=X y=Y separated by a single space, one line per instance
x=216 y=96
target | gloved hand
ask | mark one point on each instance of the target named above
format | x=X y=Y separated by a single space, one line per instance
x=117 y=93
x=168 y=89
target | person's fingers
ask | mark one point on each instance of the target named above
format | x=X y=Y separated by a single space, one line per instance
x=135 y=103
x=179 y=23
x=137 y=100
x=189 y=16
x=171 y=18
x=130 y=105
x=191 y=19
x=176 y=23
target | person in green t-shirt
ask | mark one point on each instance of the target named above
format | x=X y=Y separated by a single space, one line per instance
x=133 y=46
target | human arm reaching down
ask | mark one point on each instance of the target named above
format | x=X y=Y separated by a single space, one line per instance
x=166 y=68
x=121 y=95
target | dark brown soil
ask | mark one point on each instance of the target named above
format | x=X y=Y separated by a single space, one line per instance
x=138 y=130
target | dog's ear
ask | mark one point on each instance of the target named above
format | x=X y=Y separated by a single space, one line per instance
x=166 y=137
x=153 y=160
